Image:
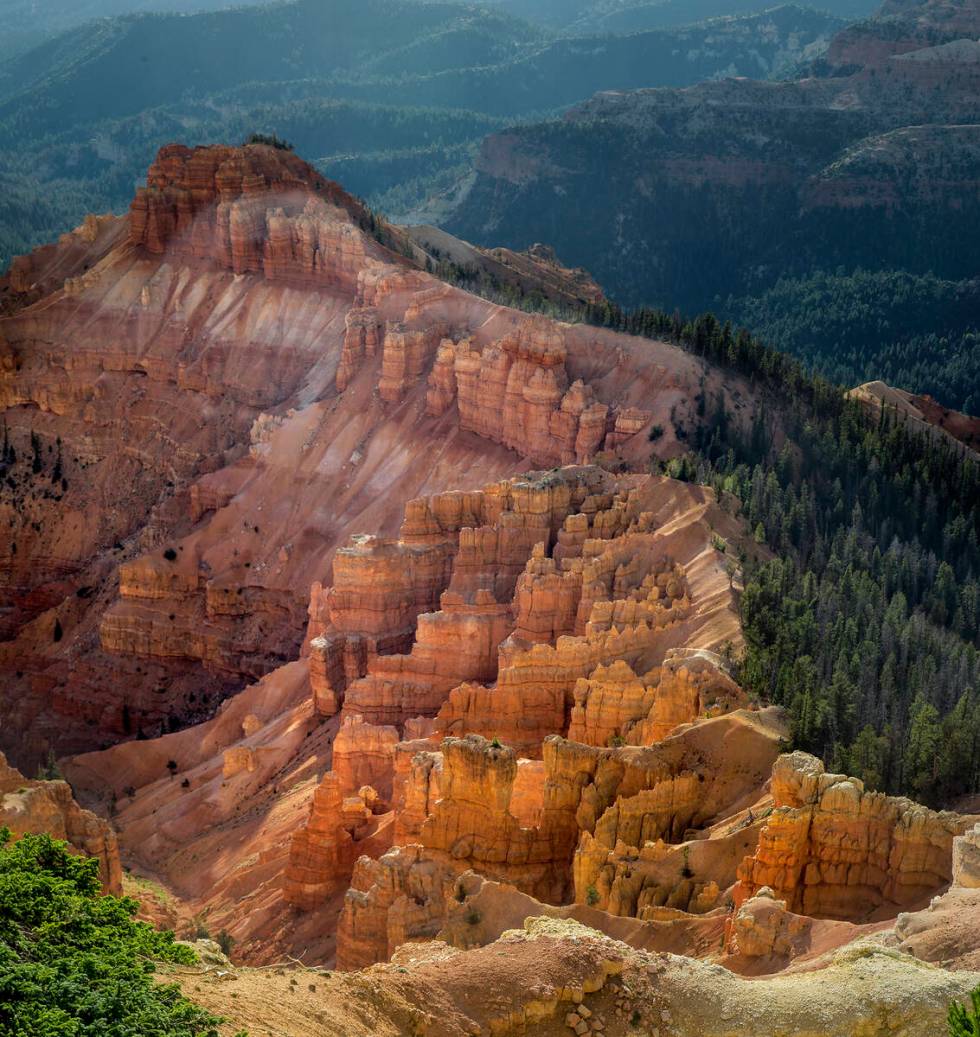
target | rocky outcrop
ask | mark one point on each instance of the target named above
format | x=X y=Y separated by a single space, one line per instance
x=831 y=849
x=63 y=265
x=322 y=853
x=549 y=974
x=48 y=807
x=251 y=210
x=363 y=754
x=637 y=841
x=615 y=704
x=459 y=643
x=516 y=392
x=924 y=414
x=763 y=928
x=380 y=588
x=587 y=821
x=392 y=900
x=966 y=859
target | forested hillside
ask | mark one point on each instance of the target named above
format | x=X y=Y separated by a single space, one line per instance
x=27 y=23
x=390 y=96
x=832 y=213
x=919 y=331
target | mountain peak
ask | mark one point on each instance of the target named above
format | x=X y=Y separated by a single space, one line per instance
x=252 y=208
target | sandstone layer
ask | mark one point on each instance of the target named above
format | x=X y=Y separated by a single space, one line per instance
x=832 y=849
x=204 y=399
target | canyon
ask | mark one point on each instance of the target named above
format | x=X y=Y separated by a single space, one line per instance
x=363 y=618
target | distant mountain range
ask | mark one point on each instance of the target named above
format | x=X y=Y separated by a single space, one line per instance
x=774 y=165
x=637 y=15
x=390 y=96
x=710 y=197
x=28 y=23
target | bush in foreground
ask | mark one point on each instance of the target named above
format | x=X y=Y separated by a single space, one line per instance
x=962 y=1021
x=73 y=963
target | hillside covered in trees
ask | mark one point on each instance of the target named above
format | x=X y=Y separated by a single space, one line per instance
x=911 y=330
x=390 y=96
x=866 y=624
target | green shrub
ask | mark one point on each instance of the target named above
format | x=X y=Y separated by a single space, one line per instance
x=964 y=1022
x=268 y=138
x=73 y=963
x=591 y=896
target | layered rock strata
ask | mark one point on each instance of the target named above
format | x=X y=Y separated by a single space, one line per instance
x=604 y=816
x=322 y=853
x=517 y=392
x=251 y=390
x=832 y=849
x=250 y=210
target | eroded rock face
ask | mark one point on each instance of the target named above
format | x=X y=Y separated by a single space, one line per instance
x=762 y=927
x=501 y=677
x=363 y=754
x=48 y=806
x=254 y=368
x=554 y=586
x=251 y=210
x=253 y=388
x=966 y=859
x=322 y=853
x=516 y=392
x=831 y=849
x=604 y=820
x=113 y=425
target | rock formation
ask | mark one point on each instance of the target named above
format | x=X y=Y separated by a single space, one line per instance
x=238 y=297
x=284 y=462
x=966 y=859
x=48 y=806
x=322 y=853
x=830 y=849
x=605 y=816
x=516 y=392
x=250 y=210
x=762 y=927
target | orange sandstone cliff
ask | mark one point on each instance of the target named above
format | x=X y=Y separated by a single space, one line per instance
x=254 y=378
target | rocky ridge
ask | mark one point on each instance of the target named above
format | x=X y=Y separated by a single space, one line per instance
x=219 y=384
